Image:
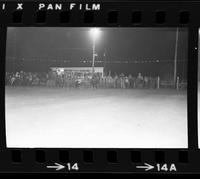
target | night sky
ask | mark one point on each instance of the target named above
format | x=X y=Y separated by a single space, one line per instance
x=51 y=46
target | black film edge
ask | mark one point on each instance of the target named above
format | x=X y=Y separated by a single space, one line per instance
x=99 y=86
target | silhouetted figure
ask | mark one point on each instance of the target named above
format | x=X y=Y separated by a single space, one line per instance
x=94 y=81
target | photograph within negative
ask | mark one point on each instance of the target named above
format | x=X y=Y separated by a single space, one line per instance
x=96 y=87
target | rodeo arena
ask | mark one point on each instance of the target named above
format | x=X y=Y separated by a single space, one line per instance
x=105 y=102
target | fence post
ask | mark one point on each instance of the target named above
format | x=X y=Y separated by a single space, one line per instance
x=158 y=82
x=177 y=83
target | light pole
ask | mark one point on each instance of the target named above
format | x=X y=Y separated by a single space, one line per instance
x=176 y=55
x=95 y=32
x=93 y=55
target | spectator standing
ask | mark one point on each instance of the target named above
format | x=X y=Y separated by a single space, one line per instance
x=126 y=82
x=122 y=81
x=131 y=81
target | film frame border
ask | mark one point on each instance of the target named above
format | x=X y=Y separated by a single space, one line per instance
x=107 y=160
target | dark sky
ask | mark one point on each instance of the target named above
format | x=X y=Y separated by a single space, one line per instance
x=76 y=43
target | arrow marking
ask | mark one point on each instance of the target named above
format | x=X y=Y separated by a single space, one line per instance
x=146 y=167
x=57 y=166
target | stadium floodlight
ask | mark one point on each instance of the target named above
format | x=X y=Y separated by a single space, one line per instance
x=95 y=33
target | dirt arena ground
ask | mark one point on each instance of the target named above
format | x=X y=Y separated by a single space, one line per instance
x=102 y=118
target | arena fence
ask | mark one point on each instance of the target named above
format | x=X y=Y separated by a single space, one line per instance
x=124 y=82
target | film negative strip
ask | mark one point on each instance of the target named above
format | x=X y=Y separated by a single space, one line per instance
x=99 y=86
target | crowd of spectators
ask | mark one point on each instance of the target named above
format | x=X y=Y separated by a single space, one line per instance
x=73 y=80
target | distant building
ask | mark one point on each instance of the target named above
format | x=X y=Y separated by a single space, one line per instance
x=80 y=70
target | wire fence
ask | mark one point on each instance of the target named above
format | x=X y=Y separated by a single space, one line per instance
x=96 y=81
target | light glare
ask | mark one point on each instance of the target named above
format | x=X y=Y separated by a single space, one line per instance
x=95 y=33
